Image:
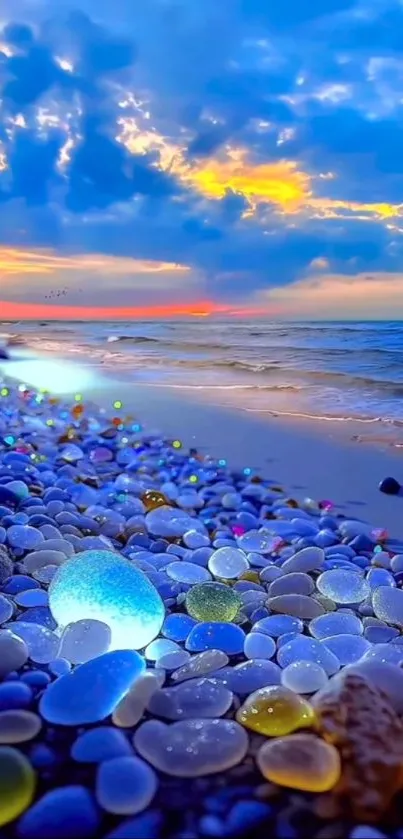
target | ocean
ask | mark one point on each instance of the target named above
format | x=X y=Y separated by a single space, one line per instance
x=332 y=371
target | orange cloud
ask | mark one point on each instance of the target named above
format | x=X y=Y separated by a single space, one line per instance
x=45 y=261
x=38 y=311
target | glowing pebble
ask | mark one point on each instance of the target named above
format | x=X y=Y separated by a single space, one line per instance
x=300 y=761
x=213 y=602
x=192 y=748
x=104 y=586
x=93 y=690
x=344 y=586
x=17 y=784
x=275 y=711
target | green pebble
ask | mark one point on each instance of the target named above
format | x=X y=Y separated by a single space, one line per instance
x=213 y=602
x=17 y=784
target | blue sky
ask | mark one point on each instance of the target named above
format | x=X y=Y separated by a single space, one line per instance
x=245 y=153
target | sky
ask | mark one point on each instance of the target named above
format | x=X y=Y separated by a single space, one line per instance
x=161 y=158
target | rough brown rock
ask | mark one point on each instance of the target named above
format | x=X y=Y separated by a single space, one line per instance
x=359 y=720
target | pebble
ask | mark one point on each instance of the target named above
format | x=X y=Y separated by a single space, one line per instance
x=300 y=761
x=226 y=637
x=84 y=640
x=99 y=744
x=302 y=648
x=192 y=748
x=93 y=690
x=304 y=676
x=294 y=583
x=387 y=604
x=296 y=605
x=176 y=626
x=343 y=586
x=41 y=642
x=13 y=652
x=131 y=707
x=18 y=726
x=228 y=563
x=17 y=784
x=6 y=609
x=336 y=623
x=212 y=602
x=24 y=537
x=104 y=586
x=171 y=522
x=277 y=625
x=194 y=698
x=308 y=559
x=125 y=785
x=187 y=572
x=348 y=648
x=64 y=812
x=275 y=711
x=259 y=645
x=249 y=676
x=14 y=695
x=201 y=665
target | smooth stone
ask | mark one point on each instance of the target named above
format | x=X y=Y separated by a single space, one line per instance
x=18 y=726
x=186 y=572
x=249 y=676
x=259 y=645
x=125 y=785
x=201 y=665
x=31 y=598
x=17 y=784
x=193 y=698
x=296 y=605
x=392 y=653
x=6 y=609
x=171 y=522
x=159 y=647
x=177 y=626
x=62 y=813
x=380 y=577
x=41 y=642
x=254 y=541
x=343 y=586
x=270 y=573
x=213 y=602
x=56 y=544
x=85 y=640
x=173 y=660
x=228 y=563
x=39 y=559
x=131 y=708
x=380 y=634
x=304 y=676
x=276 y=625
x=275 y=711
x=93 y=690
x=396 y=563
x=15 y=695
x=335 y=623
x=218 y=636
x=148 y=825
x=99 y=744
x=347 y=648
x=303 y=648
x=293 y=583
x=192 y=748
x=387 y=604
x=300 y=761
x=13 y=652
x=24 y=537
x=104 y=586
x=192 y=539
x=308 y=559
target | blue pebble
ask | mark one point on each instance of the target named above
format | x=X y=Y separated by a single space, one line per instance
x=247 y=814
x=99 y=744
x=362 y=543
x=145 y=826
x=8 y=497
x=3 y=535
x=42 y=756
x=19 y=582
x=380 y=577
x=227 y=637
x=39 y=614
x=346 y=550
x=380 y=634
x=93 y=690
x=36 y=679
x=177 y=626
x=15 y=695
x=23 y=536
x=325 y=538
x=61 y=814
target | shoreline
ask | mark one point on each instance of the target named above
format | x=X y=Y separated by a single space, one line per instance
x=308 y=459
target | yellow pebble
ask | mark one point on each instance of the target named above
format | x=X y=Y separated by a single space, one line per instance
x=300 y=761
x=250 y=576
x=17 y=784
x=275 y=711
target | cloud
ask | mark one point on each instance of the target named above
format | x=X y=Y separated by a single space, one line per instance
x=250 y=143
